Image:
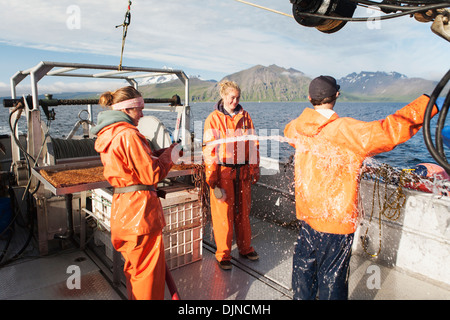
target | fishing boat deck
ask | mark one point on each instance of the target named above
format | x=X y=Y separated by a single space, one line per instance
x=49 y=277
x=54 y=276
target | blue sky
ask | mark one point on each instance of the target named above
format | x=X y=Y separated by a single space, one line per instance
x=210 y=38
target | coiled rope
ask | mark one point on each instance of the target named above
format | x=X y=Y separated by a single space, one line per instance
x=63 y=148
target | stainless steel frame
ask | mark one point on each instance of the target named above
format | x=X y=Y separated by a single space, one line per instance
x=93 y=71
x=51 y=215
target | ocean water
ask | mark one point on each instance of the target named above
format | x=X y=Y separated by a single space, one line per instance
x=269 y=118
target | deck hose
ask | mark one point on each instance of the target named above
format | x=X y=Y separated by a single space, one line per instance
x=437 y=151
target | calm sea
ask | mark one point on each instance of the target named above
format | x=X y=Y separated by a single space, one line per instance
x=269 y=119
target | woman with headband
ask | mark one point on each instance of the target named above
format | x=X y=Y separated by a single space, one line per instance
x=133 y=169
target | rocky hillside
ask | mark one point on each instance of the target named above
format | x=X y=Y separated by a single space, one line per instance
x=274 y=83
x=270 y=83
x=384 y=86
x=258 y=83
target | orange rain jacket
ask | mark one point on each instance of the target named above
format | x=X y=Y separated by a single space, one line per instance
x=219 y=126
x=137 y=217
x=329 y=155
x=128 y=160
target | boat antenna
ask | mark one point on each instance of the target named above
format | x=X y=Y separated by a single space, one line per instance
x=124 y=25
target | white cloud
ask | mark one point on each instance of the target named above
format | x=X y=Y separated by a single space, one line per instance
x=4 y=89
x=223 y=37
x=60 y=87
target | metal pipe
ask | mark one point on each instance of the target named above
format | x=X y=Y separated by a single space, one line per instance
x=9 y=103
x=70 y=231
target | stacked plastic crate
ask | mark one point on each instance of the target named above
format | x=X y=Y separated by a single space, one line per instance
x=183 y=233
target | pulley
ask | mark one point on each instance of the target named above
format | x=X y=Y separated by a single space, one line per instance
x=304 y=11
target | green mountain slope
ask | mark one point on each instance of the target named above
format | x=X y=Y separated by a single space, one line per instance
x=274 y=83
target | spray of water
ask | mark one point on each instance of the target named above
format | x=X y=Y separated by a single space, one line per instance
x=334 y=160
x=331 y=160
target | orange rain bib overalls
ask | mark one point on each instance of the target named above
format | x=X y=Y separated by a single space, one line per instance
x=224 y=162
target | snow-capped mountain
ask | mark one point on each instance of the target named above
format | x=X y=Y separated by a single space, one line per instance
x=157 y=79
x=383 y=84
x=163 y=78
